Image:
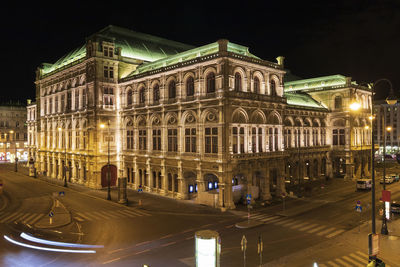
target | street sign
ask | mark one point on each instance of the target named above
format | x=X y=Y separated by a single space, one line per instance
x=358 y=207
x=386 y=195
x=248 y=196
x=51 y=214
x=61 y=193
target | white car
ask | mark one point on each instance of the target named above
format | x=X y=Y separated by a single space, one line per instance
x=364 y=184
x=388 y=180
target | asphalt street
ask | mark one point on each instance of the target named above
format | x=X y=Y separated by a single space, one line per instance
x=160 y=232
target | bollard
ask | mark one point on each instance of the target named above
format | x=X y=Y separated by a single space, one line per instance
x=140 y=202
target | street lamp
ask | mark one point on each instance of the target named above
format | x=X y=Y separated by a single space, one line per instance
x=366 y=127
x=108 y=160
x=65 y=159
x=15 y=157
x=391 y=100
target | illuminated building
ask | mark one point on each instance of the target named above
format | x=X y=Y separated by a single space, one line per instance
x=13 y=136
x=205 y=123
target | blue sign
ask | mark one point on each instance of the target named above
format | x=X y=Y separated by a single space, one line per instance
x=248 y=202
x=248 y=196
x=51 y=214
x=62 y=193
x=358 y=208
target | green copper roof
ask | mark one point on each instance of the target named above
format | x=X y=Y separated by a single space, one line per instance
x=71 y=57
x=140 y=45
x=191 y=54
x=303 y=100
x=134 y=45
x=319 y=82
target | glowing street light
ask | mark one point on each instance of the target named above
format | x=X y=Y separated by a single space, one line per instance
x=15 y=157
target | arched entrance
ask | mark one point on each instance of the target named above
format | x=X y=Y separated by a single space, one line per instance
x=113 y=178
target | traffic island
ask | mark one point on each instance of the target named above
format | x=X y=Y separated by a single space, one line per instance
x=58 y=216
x=248 y=224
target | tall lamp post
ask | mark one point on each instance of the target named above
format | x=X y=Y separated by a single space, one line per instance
x=65 y=159
x=15 y=146
x=108 y=161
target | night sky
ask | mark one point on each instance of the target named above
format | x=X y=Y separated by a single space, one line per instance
x=357 y=38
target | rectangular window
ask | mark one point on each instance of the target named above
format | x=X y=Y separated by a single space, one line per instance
x=156 y=139
x=211 y=140
x=69 y=100
x=84 y=139
x=77 y=141
x=63 y=103
x=142 y=140
x=108 y=97
x=342 y=141
x=108 y=51
x=172 y=140
x=335 y=137
x=51 y=105
x=84 y=98
x=56 y=104
x=190 y=140
x=108 y=72
x=129 y=139
x=234 y=140
x=76 y=99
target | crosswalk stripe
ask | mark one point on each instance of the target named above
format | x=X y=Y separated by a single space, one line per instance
x=115 y=213
x=347 y=258
x=107 y=214
x=331 y=263
x=284 y=222
x=134 y=212
x=290 y=223
x=37 y=218
x=98 y=214
x=84 y=216
x=326 y=231
x=126 y=214
x=9 y=216
x=363 y=260
x=335 y=233
x=25 y=216
x=258 y=216
x=15 y=218
x=142 y=212
x=362 y=254
x=316 y=229
x=30 y=217
x=298 y=225
x=322 y=265
x=307 y=227
x=270 y=218
x=342 y=262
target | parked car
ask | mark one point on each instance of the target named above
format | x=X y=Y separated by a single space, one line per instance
x=396 y=177
x=395 y=207
x=364 y=184
x=388 y=180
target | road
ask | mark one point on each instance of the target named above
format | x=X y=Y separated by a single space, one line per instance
x=163 y=235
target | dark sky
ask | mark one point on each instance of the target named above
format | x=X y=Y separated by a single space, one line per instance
x=357 y=38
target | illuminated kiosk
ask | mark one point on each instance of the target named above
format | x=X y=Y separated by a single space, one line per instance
x=208 y=248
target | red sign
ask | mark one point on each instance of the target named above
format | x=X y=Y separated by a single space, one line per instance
x=386 y=195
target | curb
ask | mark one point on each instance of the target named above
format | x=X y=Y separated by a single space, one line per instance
x=248 y=224
x=44 y=223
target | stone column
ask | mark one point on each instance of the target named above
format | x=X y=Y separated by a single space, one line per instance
x=280 y=187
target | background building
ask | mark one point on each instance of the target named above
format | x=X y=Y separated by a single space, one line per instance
x=208 y=123
x=13 y=137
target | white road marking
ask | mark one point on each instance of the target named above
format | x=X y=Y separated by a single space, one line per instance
x=326 y=231
x=347 y=258
x=316 y=229
x=9 y=216
x=363 y=260
x=307 y=227
x=298 y=225
x=335 y=233
x=331 y=263
x=37 y=218
x=84 y=216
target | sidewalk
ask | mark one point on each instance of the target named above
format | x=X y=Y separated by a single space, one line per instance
x=348 y=242
x=145 y=200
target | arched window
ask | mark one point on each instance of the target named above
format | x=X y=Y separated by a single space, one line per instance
x=272 y=87
x=238 y=82
x=142 y=96
x=129 y=98
x=171 y=90
x=156 y=93
x=256 y=85
x=190 y=86
x=338 y=102
x=211 y=82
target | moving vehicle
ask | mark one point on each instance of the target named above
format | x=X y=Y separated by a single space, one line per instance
x=395 y=177
x=364 y=184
